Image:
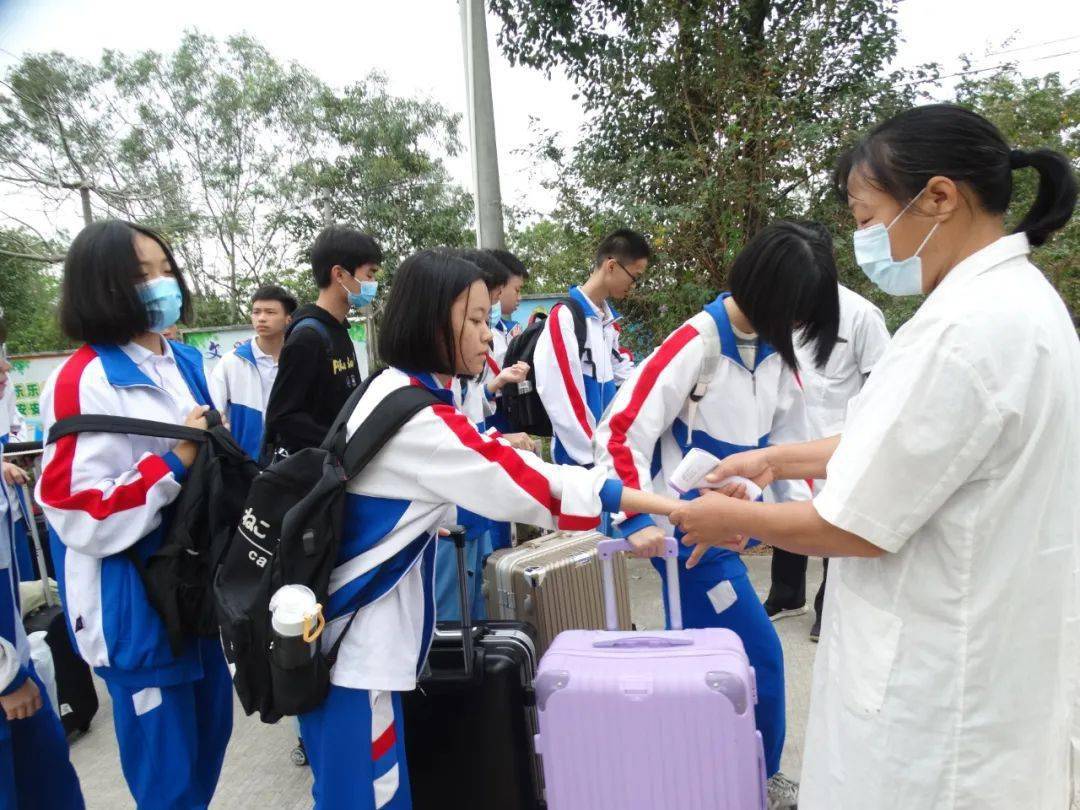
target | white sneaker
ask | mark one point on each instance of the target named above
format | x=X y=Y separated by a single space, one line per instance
x=783 y=792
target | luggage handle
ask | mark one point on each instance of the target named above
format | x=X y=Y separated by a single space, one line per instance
x=606 y=549
x=457 y=536
x=27 y=503
x=643 y=642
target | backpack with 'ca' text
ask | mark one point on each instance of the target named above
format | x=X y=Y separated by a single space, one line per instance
x=289 y=534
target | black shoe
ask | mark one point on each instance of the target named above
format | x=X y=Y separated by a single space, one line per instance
x=776 y=612
x=815 y=631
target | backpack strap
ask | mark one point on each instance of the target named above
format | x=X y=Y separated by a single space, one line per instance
x=385 y=420
x=581 y=329
x=705 y=325
x=100 y=423
x=315 y=325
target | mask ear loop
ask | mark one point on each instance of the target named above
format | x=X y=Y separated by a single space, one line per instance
x=927 y=239
x=906 y=207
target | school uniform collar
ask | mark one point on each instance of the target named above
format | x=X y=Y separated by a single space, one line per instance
x=123 y=364
x=995 y=254
x=247 y=351
x=431 y=383
x=729 y=346
x=606 y=314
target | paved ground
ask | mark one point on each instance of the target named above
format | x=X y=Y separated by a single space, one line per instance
x=258 y=772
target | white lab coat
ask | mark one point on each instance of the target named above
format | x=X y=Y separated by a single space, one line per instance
x=947 y=672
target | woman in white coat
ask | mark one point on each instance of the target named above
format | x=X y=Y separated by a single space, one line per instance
x=948 y=668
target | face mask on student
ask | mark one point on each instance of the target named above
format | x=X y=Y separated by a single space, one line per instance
x=873 y=254
x=495 y=315
x=368 y=289
x=163 y=301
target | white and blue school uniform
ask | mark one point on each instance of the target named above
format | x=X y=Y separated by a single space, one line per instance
x=240 y=385
x=35 y=770
x=576 y=390
x=469 y=397
x=104 y=495
x=10 y=425
x=647 y=434
x=384 y=578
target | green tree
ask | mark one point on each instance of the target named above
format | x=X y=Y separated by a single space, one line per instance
x=708 y=118
x=28 y=295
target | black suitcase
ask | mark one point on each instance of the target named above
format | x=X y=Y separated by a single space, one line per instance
x=74 y=683
x=476 y=718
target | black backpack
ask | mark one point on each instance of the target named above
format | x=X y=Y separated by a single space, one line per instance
x=177 y=576
x=521 y=403
x=290 y=533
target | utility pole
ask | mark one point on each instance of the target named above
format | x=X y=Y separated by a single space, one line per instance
x=487 y=197
x=87 y=213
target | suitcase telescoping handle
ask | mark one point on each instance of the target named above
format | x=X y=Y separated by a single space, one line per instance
x=606 y=549
x=39 y=552
x=457 y=537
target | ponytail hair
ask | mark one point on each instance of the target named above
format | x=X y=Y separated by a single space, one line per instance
x=1055 y=198
x=900 y=156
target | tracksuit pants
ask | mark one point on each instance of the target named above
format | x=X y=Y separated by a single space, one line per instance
x=356 y=746
x=35 y=770
x=719 y=594
x=173 y=738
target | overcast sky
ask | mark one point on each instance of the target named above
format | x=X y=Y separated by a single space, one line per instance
x=417 y=44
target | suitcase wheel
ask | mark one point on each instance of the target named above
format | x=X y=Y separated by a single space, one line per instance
x=298 y=755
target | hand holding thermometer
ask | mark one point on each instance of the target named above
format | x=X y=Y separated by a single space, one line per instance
x=691 y=472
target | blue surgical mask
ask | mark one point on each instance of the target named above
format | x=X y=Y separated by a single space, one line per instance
x=163 y=301
x=495 y=315
x=873 y=254
x=368 y=289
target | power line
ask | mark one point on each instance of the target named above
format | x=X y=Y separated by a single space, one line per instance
x=1036 y=45
x=986 y=69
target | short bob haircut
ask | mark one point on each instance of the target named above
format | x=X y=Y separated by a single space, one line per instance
x=99 y=302
x=625 y=246
x=784 y=280
x=511 y=262
x=493 y=271
x=418 y=333
x=344 y=247
x=272 y=292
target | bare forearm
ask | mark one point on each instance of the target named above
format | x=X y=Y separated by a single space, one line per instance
x=797 y=527
x=634 y=500
x=804 y=460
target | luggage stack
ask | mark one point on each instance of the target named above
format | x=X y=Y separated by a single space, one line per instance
x=554 y=584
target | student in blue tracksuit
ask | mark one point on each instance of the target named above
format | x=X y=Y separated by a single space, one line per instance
x=241 y=382
x=381 y=590
x=784 y=278
x=107 y=496
x=34 y=767
x=475 y=397
x=577 y=383
x=13 y=475
x=505 y=328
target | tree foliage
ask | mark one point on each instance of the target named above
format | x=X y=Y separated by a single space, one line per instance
x=710 y=118
x=232 y=154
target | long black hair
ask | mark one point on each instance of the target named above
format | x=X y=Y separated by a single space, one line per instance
x=784 y=280
x=418 y=330
x=901 y=155
x=99 y=302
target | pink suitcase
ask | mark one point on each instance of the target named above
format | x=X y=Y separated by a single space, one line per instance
x=649 y=720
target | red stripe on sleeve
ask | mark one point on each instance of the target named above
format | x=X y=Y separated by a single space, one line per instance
x=577 y=401
x=532 y=481
x=622 y=421
x=56 y=477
